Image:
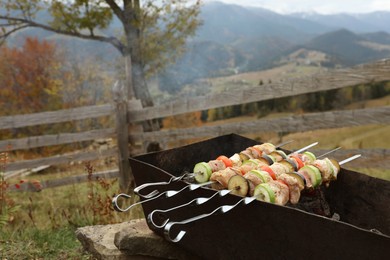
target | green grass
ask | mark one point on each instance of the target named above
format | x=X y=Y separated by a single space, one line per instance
x=34 y=243
x=44 y=226
x=363 y=137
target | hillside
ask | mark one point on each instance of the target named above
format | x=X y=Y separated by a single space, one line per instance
x=347 y=48
x=258 y=39
x=226 y=23
x=378 y=37
x=235 y=39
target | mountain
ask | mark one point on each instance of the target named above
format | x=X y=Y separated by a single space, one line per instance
x=359 y=23
x=260 y=53
x=235 y=39
x=226 y=23
x=306 y=26
x=378 y=37
x=348 y=48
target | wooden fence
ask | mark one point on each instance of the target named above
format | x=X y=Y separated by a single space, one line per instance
x=131 y=113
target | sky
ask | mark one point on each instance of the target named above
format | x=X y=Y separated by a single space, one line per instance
x=318 y=6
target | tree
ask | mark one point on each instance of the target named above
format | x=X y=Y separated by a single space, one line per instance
x=154 y=32
x=29 y=77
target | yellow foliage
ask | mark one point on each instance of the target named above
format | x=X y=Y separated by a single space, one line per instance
x=183 y=121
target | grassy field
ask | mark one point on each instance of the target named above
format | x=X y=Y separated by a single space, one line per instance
x=43 y=223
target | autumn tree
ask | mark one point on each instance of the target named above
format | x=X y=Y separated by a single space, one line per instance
x=30 y=82
x=29 y=78
x=154 y=32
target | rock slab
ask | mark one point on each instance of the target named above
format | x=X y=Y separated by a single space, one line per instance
x=128 y=240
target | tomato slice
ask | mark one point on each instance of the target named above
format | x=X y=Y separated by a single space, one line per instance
x=225 y=160
x=298 y=160
x=269 y=170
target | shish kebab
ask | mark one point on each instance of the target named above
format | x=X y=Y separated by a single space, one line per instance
x=224 y=208
x=201 y=200
x=186 y=175
x=155 y=194
x=277 y=181
x=170 y=193
x=263 y=154
x=268 y=195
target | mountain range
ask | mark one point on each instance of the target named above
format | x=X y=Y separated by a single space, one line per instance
x=236 y=39
x=252 y=38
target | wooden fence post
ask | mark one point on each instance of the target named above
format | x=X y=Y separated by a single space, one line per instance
x=126 y=178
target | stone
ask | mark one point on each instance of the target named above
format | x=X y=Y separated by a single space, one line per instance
x=99 y=241
x=138 y=238
x=128 y=240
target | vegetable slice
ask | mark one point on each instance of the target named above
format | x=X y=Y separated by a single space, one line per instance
x=259 y=174
x=244 y=155
x=269 y=158
x=299 y=177
x=314 y=173
x=265 y=193
x=290 y=164
x=202 y=172
x=226 y=161
x=310 y=155
x=298 y=160
x=253 y=162
x=269 y=170
x=335 y=164
x=238 y=185
x=278 y=155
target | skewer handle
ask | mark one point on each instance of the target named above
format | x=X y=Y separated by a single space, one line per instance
x=331 y=151
x=350 y=159
x=284 y=143
x=305 y=148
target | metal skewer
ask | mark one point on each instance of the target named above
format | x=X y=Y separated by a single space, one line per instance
x=284 y=143
x=155 y=192
x=197 y=201
x=304 y=148
x=331 y=151
x=221 y=209
x=350 y=159
x=168 y=193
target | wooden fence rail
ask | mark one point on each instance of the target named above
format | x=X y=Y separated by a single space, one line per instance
x=59 y=116
x=56 y=139
x=293 y=123
x=61 y=159
x=326 y=80
x=127 y=113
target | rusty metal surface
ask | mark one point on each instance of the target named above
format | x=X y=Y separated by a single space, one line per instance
x=259 y=229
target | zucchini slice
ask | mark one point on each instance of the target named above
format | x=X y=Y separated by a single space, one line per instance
x=202 y=172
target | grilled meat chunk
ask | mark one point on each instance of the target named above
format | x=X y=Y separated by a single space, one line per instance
x=266 y=148
x=293 y=186
x=281 y=192
x=216 y=165
x=279 y=169
x=224 y=176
